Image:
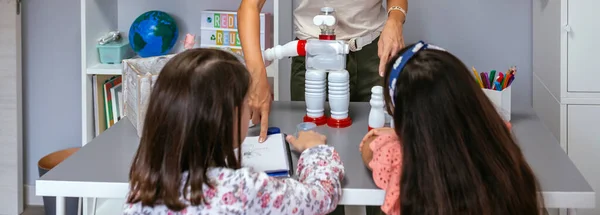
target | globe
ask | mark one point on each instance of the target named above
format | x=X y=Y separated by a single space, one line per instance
x=153 y=33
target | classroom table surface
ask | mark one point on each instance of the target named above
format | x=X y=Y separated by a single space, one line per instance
x=100 y=169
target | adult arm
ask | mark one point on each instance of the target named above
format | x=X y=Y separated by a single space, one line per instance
x=391 y=39
x=317 y=190
x=259 y=93
x=394 y=15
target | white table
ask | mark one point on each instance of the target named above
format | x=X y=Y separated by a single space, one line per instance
x=100 y=169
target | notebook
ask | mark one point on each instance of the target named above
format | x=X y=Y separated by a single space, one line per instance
x=272 y=157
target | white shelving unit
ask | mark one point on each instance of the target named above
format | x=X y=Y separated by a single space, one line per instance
x=566 y=93
x=101 y=16
x=98 y=17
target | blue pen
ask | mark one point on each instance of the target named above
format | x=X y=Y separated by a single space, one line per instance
x=497 y=84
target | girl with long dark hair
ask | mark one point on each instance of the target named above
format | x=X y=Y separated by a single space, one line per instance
x=450 y=152
x=186 y=162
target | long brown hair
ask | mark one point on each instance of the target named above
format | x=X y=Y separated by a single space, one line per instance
x=458 y=155
x=189 y=126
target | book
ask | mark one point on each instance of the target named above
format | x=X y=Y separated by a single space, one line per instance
x=99 y=105
x=106 y=98
x=94 y=101
x=272 y=156
x=109 y=99
x=116 y=102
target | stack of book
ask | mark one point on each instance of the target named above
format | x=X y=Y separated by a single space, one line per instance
x=108 y=101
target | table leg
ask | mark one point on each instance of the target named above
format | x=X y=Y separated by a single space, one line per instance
x=355 y=210
x=60 y=205
x=94 y=204
x=79 y=206
x=571 y=211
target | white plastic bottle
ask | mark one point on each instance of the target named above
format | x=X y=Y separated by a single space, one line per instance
x=376 y=115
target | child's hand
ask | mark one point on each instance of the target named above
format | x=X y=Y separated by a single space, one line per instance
x=377 y=132
x=365 y=150
x=305 y=140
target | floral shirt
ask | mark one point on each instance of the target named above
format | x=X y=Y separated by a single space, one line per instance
x=244 y=191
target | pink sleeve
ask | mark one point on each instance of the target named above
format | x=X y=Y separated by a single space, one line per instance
x=386 y=165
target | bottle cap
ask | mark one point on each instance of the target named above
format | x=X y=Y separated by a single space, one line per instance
x=273 y=130
x=327 y=10
x=305 y=126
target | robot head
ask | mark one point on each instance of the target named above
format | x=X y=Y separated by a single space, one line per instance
x=326 y=21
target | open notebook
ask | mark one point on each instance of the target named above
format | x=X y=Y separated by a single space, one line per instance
x=272 y=157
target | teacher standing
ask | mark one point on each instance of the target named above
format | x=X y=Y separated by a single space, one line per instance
x=374 y=34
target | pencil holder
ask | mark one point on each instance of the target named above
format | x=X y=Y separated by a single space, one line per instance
x=501 y=100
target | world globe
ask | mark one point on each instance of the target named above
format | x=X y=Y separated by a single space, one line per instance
x=153 y=33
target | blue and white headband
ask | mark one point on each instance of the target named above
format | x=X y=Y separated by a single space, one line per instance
x=401 y=62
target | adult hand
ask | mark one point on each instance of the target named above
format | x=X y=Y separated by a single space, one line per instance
x=260 y=101
x=391 y=41
x=306 y=140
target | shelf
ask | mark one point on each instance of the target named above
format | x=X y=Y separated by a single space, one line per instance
x=117 y=69
x=105 y=69
x=100 y=17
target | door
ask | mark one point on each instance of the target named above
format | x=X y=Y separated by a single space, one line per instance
x=11 y=141
x=582 y=45
x=584 y=146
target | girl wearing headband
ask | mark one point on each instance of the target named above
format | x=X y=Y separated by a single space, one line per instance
x=450 y=152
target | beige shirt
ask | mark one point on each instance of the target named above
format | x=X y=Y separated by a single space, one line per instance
x=355 y=18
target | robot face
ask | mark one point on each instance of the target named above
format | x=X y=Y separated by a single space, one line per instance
x=327 y=20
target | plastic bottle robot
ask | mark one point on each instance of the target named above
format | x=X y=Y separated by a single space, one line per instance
x=325 y=69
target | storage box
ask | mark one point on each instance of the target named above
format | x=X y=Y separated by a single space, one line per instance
x=114 y=52
x=501 y=100
x=139 y=76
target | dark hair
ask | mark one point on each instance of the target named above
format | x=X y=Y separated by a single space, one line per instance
x=189 y=126
x=458 y=155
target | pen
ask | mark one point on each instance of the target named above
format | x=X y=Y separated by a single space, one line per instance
x=500 y=77
x=505 y=81
x=477 y=78
x=483 y=82
x=512 y=78
x=492 y=76
x=486 y=81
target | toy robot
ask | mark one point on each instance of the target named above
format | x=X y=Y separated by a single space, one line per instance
x=325 y=61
